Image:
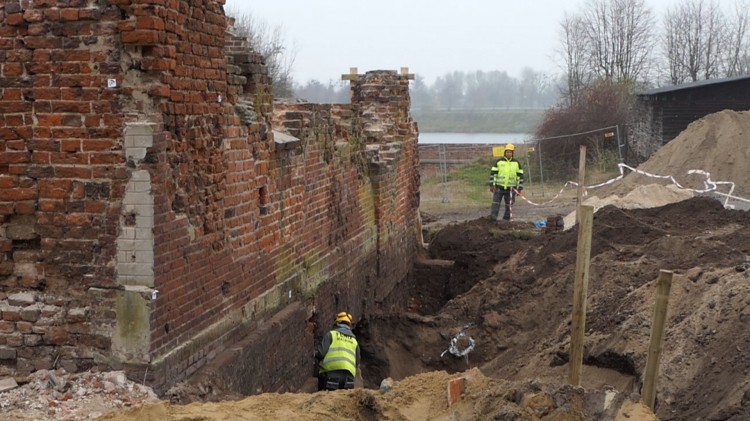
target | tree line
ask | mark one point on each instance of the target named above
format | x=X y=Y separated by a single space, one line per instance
x=457 y=91
x=621 y=41
x=613 y=48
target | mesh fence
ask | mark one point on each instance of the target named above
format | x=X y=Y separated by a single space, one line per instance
x=455 y=177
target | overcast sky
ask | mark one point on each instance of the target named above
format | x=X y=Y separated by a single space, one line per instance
x=430 y=37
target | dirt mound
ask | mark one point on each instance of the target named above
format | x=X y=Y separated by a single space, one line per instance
x=421 y=397
x=518 y=316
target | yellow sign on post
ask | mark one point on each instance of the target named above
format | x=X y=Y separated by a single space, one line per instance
x=498 y=151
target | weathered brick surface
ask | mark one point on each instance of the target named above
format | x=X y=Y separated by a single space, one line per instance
x=231 y=224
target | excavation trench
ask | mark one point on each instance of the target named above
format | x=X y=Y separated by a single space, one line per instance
x=497 y=296
x=463 y=311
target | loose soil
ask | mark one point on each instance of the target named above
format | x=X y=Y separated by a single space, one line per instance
x=518 y=300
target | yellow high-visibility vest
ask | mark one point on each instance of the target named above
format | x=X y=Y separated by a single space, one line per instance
x=507 y=173
x=342 y=355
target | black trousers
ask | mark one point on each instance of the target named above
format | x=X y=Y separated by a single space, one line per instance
x=334 y=380
x=500 y=195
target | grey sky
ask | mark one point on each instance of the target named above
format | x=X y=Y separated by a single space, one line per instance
x=430 y=37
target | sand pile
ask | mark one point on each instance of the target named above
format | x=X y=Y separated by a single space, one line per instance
x=718 y=144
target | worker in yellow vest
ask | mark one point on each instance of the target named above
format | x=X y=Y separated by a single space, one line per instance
x=338 y=355
x=506 y=178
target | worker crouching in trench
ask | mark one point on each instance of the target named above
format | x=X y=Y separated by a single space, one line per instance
x=338 y=356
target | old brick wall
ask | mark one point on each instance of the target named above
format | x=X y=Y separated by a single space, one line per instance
x=433 y=157
x=150 y=215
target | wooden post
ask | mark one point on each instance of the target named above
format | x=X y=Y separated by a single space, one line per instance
x=581 y=177
x=663 y=285
x=580 y=292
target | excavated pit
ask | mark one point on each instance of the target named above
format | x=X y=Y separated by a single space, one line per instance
x=509 y=288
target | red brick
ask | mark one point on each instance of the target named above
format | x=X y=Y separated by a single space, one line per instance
x=25 y=132
x=70 y=145
x=106 y=158
x=15 y=19
x=162 y=91
x=12 y=69
x=90 y=14
x=49 y=120
x=54 y=189
x=71 y=107
x=33 y=15
x=8 y=133
x=6 y=209
x=11 y=94
x=92 y=121
x=7 y=182
x=98 y=145
x=18 y=194
x=14 y=157
x=141 y=37
x=78 y=219
x=69 y=14
x=151 y=63
x=25 y=208
x=73 y=172
x=52 y=14
x=51 y=205
x=10 y=107
x=93 y=206
x=47 y=93
x=112 y=120
x=149 y=22
x=42 y=42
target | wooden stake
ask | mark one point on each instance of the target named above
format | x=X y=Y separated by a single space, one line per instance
x=580 y=292
x=663 y=286
x=581 y=177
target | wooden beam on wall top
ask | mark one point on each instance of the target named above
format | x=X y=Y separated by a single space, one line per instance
x=405 y=72
x=353 y=75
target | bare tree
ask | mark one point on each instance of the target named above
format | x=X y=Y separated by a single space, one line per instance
x=620 y=38
x=270 y=42
x=694 y=40
x=574 y=50
x=737 y=61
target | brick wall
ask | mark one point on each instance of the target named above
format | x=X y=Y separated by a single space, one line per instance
x=150 y=215
x=434 y=157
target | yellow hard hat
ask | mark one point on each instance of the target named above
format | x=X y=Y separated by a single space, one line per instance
x=510 y=147
x=344 y=317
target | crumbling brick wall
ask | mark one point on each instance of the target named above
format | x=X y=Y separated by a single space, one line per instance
x=149 y=213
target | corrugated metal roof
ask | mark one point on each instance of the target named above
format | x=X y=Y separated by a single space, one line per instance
x=698 y=84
